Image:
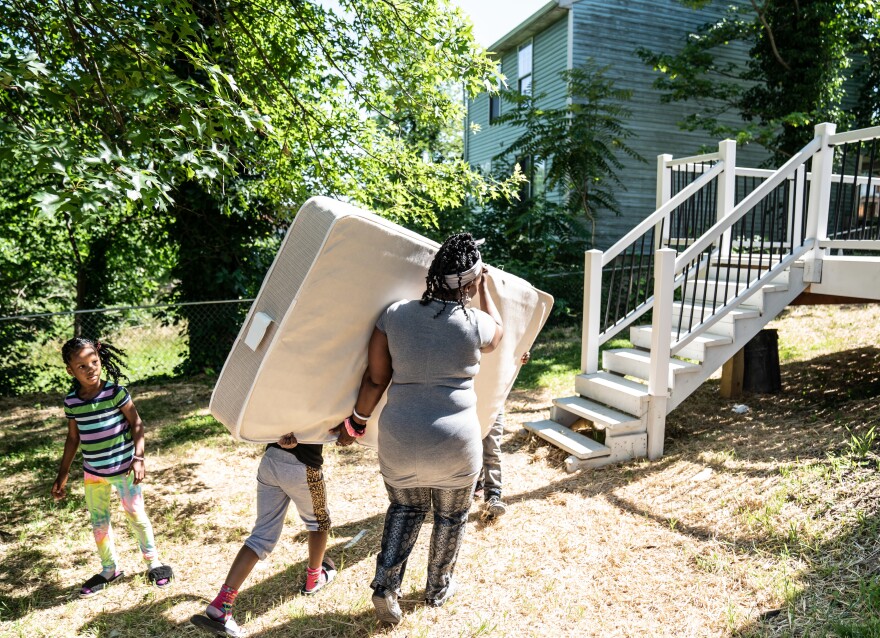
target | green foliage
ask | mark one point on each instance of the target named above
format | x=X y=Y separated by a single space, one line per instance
x=126 y=100
x=536 y=239
x=582 y=141
x=859 y=446
x=782 y=66
x=114 y=113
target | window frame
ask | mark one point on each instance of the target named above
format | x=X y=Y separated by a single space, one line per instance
x=521 y=77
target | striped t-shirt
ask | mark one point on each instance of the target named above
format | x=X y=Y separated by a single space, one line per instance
x=104 y=433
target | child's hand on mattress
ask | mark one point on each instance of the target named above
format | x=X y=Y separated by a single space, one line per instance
x=343 y=438
x=288 y=441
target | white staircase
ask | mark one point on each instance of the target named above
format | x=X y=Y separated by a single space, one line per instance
x=710 y=297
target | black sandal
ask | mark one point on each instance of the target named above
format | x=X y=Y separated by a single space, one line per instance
x=161 y=576
x=96 y=584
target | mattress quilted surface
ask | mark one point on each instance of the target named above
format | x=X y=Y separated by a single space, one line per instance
x=297 y=363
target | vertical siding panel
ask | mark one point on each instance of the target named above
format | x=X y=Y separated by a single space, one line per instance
x=549 y=50
x=609 y=31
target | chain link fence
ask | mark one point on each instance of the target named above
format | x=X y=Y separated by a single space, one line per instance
x=167 y=341
x=160 y=341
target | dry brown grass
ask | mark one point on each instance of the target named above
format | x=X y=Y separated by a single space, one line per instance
x=746 y=515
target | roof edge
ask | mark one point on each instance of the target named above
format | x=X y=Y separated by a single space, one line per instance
x=543 y=17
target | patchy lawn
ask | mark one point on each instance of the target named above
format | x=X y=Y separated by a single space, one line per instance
x=758 y=524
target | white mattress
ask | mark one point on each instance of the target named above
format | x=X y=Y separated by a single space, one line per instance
x=297 y=363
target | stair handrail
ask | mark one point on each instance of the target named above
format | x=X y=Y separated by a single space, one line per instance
x=748 y=203
x=854 y=136
x=662 y=212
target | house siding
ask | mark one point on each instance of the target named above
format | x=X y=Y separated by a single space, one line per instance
x=549 y=59
x=609 y=32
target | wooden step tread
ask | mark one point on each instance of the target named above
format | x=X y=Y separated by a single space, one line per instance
x=644 y=356
x=742 y=260
x=626 y=386
x=706 y=338
x=740 y=312
x=597 y=413
x=704 y=283
x=580 y=446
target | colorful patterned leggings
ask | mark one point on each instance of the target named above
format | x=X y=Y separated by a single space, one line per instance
x=403 y=520
x=98 y=490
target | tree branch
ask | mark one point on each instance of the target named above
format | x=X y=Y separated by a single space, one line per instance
x=769 y=31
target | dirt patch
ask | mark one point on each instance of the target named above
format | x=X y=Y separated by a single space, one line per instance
x=764 y=523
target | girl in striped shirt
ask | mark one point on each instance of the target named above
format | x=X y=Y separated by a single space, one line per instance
x=103 y=423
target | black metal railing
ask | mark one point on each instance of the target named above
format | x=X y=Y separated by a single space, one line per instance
x=772 y=229
x=628 y=282
x=854 y=203
x=628 y=278
x=698 y=213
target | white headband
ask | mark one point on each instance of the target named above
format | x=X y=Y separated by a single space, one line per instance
x=462 y=279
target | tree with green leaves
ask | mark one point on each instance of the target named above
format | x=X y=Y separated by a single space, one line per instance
x=582 y=141
x=143 y=120
x=782 y=66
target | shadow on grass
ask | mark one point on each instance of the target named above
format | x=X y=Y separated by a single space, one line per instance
x=149 y=615
x=262 y=597
x=826 y=404
x=842 y=594
x=25 y=570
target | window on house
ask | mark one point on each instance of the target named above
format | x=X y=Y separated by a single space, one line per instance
x=494 y=107
x=524 y=67
x=539 y=178
x=526 y=191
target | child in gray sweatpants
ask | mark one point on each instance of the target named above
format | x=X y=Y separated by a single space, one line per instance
x=288 y=472
x=489 y=483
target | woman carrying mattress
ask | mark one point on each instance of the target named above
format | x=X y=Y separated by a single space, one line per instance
x=430 y=449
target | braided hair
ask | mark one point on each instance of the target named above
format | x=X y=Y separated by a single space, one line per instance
x=457 y=254
x=111 y=357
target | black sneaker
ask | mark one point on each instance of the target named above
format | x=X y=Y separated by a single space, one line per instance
x=494 y=506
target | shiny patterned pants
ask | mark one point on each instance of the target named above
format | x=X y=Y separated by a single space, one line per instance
x=97 y=491
x=403 y=520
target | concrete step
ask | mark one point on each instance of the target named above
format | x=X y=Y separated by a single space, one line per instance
x=637 y=363
x=641 y=336
x=578 y=445
x=601 y=416
x=614 y=391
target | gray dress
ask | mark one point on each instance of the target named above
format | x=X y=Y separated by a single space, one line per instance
x=429 y=434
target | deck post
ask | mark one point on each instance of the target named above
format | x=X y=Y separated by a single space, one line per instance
x=661 y=336
x=820 y=194
x=592 y=311
x=796 y=216
x=726 y=191
x=664 y=194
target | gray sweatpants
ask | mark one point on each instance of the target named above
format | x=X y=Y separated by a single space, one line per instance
x=282 y=478
x=490 y=476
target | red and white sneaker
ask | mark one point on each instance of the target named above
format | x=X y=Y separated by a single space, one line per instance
x=328 y=573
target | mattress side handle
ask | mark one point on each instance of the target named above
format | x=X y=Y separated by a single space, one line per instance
x=257 y=330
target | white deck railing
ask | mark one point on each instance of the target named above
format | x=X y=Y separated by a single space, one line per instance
x=782 y=215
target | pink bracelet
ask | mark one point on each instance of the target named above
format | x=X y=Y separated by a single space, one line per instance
x=350 y=429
